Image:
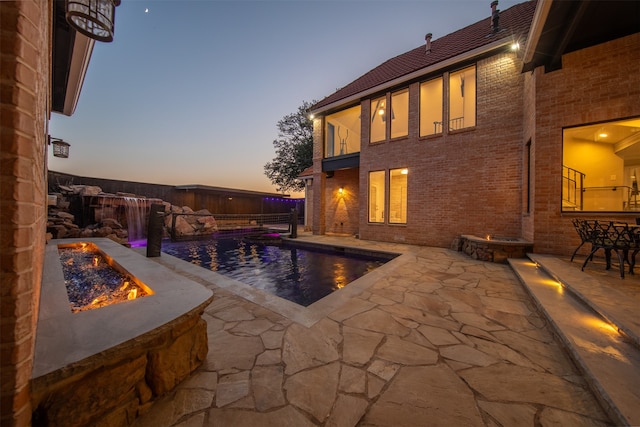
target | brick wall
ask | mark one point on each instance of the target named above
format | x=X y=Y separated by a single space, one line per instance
x=464 y=182
x=341 y=213
x=24 y=83
x=595 y=84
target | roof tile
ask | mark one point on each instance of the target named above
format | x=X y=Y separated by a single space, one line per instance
x=514 y=22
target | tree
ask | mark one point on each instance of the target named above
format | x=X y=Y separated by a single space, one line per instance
x=294 y=150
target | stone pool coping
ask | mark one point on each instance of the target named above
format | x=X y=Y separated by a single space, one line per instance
x=306 y=316
x=65 y=340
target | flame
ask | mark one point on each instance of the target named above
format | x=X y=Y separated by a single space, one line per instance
x=98 y=300
x=133 y=293
x=124 y=285
x=96 y=260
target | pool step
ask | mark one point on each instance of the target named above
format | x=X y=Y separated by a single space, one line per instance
x=610 y=360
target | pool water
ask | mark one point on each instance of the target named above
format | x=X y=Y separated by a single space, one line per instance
x=301 y=275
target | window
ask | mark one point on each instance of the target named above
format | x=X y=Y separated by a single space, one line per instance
x=462 y=99
x=398 y=196
x=391 y=122
x=431 y=107
x=342 y=133
x=378 y=119
x=600 y=167
x=376 y=196
x=397 y=202
x=400 y=113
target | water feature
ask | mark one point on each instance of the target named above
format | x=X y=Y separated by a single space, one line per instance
x=299 y=274
x=136 y=210
x=130 y=211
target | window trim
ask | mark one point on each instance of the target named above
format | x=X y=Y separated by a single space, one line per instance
x=475 y=100
x=388 y=99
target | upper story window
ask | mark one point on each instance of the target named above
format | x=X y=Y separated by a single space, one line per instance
x=601 y=167
x=431 y=107
x=342 y=133
x=462 y=98
x=390 y=116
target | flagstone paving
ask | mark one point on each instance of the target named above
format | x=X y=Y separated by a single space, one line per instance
x=441 y=340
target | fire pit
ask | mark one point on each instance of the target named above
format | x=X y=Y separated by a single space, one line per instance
x=94 y=280
x=112 y=362
x=494 y=248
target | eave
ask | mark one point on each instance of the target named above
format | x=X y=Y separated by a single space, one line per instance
x=71 y=56
x=561 y=27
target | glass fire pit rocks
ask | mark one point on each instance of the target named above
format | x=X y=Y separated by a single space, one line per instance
x=93 y=282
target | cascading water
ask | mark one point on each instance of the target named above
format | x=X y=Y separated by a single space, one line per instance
x=126 y=210
x=135 y=209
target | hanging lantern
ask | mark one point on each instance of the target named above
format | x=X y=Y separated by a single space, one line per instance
x=60 y=148
x=93 y=18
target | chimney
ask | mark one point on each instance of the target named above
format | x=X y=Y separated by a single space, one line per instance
x=495 y=16
x=427 y=40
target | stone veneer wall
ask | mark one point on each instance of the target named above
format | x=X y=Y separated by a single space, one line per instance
x=112 y=388
x=25 y=67
x=495 y=250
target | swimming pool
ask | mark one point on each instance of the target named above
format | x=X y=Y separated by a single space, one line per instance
x=300 y=274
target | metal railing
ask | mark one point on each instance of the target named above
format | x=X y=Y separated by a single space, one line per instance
x=572 y=189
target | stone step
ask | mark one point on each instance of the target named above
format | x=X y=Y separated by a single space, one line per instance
x=609 y=360
x=610 y=303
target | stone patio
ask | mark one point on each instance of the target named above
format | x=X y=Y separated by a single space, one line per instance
x=436 y=339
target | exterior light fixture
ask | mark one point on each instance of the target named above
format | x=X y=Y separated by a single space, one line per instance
x=93 y=18
x=60 y=148
x=341 y=191
x=515 y=46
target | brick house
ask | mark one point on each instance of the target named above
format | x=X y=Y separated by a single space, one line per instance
x=493 y=165
x=465 y=134
x=43 y=66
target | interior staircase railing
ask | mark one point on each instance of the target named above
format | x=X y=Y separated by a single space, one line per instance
x=572 y=188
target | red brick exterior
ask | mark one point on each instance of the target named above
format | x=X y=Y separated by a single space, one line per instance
x=595 y=84
x=464 y=182
x=24 y=87
x=477 y=181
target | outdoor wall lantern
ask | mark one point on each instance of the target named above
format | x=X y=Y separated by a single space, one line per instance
x=60 y=148
x=93 y=18
x=341 y=191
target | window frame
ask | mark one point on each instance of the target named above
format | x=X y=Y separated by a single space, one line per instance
x=336 y=136
x=600 y=167
x=374 y=111
x=376 y=197
x=403 y=199
x=454 y=122
x=423 y=105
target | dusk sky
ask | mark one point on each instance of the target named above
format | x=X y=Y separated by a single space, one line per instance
x=190 y=92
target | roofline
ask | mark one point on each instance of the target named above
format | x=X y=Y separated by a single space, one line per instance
x=407 y=77
x=80 y=57
x=535 y=30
